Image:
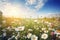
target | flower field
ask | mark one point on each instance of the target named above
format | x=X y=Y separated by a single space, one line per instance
x=30 y=29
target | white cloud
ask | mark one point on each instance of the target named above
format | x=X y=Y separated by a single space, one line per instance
x=4 y=1
x=30 y=2
x=38 y=3
x=16 y=10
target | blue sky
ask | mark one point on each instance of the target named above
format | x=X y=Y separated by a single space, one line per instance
x=49 y=6
x=52 y=6
x=29 y=7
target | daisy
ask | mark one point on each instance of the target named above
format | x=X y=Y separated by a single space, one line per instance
x=9 y=38
x=44 y=36
x=29 y=35
x=30 y=30
x=21 y=28
x=59 y=37
x=18 y=35
x=35 y=20
x=49 y=28
x=16 y=29
x=34 y=37
x=4 y=34
x=9 y=28
x=43 y=29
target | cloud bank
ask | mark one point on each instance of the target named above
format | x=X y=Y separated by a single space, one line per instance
x=18 y=10
x=37 y=3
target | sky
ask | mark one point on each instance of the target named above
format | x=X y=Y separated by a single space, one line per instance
x=29 y=8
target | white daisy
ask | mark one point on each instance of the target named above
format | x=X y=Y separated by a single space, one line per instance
x=13 y=36
x=43 y=29
x=49 y=28
x=25 y=36
x=59 y=37
x=16 y=29
x=21 y=28
x=9 y=28
x=44 y=36
x=57 y=33
x=35 y=20
x=46 y=22
x=34 y=37
x=51 y=24
x=4 y=34
x=9 y=38
x=30 y=30
x=29 y=35
x=18 y=35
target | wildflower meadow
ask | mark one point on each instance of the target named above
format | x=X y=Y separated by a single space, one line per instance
x=30 y=29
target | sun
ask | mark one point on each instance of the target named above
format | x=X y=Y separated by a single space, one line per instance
x=18 y=11
x=10 y=10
